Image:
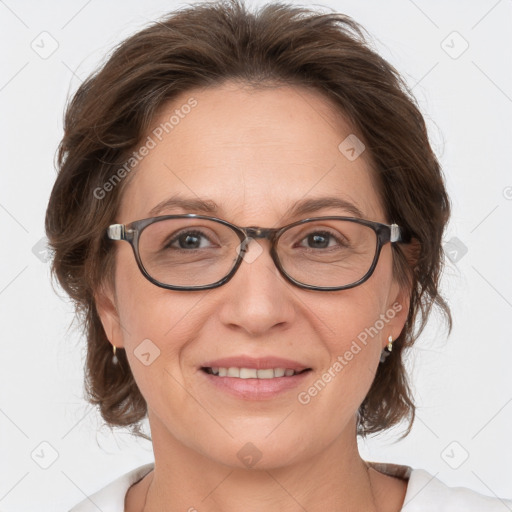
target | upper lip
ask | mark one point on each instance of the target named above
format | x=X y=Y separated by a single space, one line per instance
x=259 y=363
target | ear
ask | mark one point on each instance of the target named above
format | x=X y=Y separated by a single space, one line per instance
x=400 y=295
x=107 y=311
x=398 y=310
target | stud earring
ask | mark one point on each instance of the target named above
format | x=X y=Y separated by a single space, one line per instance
x=390 y=344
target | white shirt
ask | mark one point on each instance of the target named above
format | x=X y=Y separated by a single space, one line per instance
x=425 y=493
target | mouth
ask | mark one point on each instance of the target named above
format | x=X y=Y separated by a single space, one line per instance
x=252 y=373
x=249 y=378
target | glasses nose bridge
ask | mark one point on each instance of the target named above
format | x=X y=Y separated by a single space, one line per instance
x=257 y=232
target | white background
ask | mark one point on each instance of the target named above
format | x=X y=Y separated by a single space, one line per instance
x=463 y=384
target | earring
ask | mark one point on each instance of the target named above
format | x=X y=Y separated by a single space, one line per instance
x=115 y=360
x=389 y=347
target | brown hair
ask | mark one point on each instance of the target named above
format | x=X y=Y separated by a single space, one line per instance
x=204 y=45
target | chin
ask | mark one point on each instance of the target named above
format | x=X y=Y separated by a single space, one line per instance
x=258 y=451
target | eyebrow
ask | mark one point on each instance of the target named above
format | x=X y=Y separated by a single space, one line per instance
x=301 y=207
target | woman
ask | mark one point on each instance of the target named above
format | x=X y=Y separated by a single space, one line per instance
x=249 y=216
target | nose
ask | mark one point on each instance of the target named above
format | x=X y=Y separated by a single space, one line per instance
x=257 y=298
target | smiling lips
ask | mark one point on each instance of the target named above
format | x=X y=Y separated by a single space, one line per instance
x=250 y=378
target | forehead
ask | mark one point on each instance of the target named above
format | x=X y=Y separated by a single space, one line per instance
x=254 y=152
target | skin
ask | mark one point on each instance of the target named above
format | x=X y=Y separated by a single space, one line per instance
x=255 y=153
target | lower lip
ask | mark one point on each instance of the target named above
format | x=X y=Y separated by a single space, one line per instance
x=256 y=389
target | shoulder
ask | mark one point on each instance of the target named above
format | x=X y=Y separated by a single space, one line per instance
x=425 y=491
x=111 y=497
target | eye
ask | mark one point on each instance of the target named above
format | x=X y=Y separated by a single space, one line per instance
x=191 y=239
x=322 y=240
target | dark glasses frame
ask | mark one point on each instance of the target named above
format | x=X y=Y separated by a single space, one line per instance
x=131 y=233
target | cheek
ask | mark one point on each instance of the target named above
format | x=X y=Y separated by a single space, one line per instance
x=356 y=318
x=158 y=329
x=340 y=386
x=355 y=342
x=354 y=324
x=153 y=320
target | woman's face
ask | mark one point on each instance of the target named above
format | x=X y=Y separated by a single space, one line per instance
x=255 y=154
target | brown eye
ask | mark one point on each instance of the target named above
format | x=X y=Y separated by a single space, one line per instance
x=188 y=240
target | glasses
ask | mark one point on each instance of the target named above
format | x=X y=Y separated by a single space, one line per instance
x=197 y=252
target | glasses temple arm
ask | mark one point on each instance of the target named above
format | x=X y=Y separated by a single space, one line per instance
x=116 y=232
x=398 y=234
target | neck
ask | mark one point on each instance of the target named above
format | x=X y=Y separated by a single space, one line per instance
x=336 y=479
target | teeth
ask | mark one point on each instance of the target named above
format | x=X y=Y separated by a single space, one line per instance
x=266 y=374
x=248 y=373
x=251 y=373
x=233 y=372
